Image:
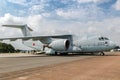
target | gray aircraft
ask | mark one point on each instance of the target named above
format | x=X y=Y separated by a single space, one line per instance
x=62 y=44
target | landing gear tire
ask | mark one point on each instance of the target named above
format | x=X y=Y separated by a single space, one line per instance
x=92 y=53
x=102 y=53
x=56 y=53
x=63 y=53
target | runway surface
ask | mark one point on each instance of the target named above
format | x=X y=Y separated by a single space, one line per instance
x=94 y=68
x=14 y=62
x=71 y=67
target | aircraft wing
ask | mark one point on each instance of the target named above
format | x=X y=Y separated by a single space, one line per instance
x=43 y=39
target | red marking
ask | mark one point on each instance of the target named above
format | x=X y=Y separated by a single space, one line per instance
x=33 y=44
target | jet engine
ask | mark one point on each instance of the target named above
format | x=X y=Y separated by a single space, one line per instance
x=60 y=44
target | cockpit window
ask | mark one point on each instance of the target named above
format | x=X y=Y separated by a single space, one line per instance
x=103 y=38
x=106 y=38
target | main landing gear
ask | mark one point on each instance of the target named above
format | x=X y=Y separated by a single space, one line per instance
x=101 y=53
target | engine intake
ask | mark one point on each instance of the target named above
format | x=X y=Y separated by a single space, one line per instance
x=60 y=45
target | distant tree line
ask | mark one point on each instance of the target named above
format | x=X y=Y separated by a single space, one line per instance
x=6 y=48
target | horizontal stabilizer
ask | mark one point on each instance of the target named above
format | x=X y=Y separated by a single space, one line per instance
x=24 y=28
x=17 y=26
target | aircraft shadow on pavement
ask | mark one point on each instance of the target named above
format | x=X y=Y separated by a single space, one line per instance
x=70 y=55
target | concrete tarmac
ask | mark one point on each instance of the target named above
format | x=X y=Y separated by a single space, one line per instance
x=94 y=68
x=15 y=62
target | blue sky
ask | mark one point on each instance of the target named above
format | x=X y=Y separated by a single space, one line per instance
x=92 y=9
x=81 y=17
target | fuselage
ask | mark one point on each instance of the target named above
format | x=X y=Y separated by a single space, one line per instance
x=95 y=44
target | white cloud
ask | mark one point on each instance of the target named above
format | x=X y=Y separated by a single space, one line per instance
x=107 y=27
x=86 y=1
x=71 y=14
x=94 y=1
x=45 y=14
x=36 y=8
x=117 y=5
x=87 y=13
x=21 y=2
x=10 y=19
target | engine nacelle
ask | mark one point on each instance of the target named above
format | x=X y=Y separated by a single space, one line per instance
x=60 y=45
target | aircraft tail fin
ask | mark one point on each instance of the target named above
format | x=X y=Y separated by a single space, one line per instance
x=24 y=28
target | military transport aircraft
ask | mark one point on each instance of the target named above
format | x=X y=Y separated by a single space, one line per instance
x=62 y=44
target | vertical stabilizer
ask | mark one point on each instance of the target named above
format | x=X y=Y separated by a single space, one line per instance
x=24 y=28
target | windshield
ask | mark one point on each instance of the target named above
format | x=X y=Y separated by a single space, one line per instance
x=103 y=38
